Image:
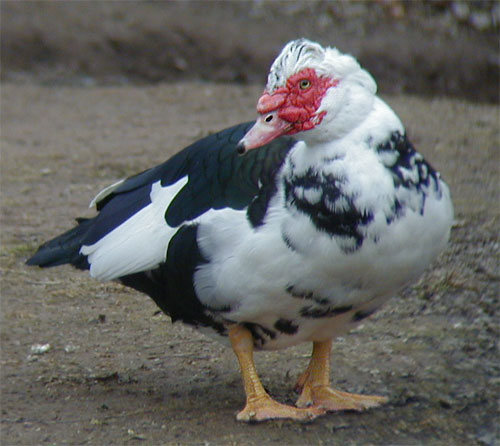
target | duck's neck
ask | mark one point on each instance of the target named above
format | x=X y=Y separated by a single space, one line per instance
x=371 y=129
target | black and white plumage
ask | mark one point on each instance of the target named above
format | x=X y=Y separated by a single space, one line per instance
x=298 y=240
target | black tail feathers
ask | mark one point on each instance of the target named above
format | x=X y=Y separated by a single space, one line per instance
x=64 y=249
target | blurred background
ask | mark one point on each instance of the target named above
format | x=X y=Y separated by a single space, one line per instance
x=429 y=48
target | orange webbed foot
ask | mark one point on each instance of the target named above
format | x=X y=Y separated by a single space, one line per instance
x=266 y=408
x=324 y=397
x=259 y=405
x=315 y=390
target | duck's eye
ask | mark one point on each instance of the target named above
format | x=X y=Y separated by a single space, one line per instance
x=304 y=84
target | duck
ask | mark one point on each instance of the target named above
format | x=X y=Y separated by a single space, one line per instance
x=293 y=228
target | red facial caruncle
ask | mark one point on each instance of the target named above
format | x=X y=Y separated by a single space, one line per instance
x=289 y=109
x=298 y=100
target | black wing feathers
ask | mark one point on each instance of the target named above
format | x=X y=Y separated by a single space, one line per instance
x=218 y=178
x=64 y=248
x=222 y=178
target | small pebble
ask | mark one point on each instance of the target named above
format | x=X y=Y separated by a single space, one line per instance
x=70 y=348
x=40 y=349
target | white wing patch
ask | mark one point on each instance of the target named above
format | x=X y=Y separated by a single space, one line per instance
x=138 y=244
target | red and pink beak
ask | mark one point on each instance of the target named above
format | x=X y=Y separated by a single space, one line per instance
x=268 y=126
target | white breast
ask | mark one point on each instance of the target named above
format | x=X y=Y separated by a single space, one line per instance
x=250 y=269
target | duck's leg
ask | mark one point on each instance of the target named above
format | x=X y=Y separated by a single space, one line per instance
x=314 y=385
x=259 y=405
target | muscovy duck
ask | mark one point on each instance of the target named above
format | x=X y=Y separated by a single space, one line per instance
x=291 y=229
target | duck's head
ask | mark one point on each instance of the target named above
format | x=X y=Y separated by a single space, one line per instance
x=315 y=93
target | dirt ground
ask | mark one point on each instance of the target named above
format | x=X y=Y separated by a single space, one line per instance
x=117 y=372
x=95 y=91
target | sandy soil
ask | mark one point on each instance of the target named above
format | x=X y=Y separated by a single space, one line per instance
x=117 y=372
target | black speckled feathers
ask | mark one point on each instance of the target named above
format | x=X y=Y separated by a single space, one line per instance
x=322 y=196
